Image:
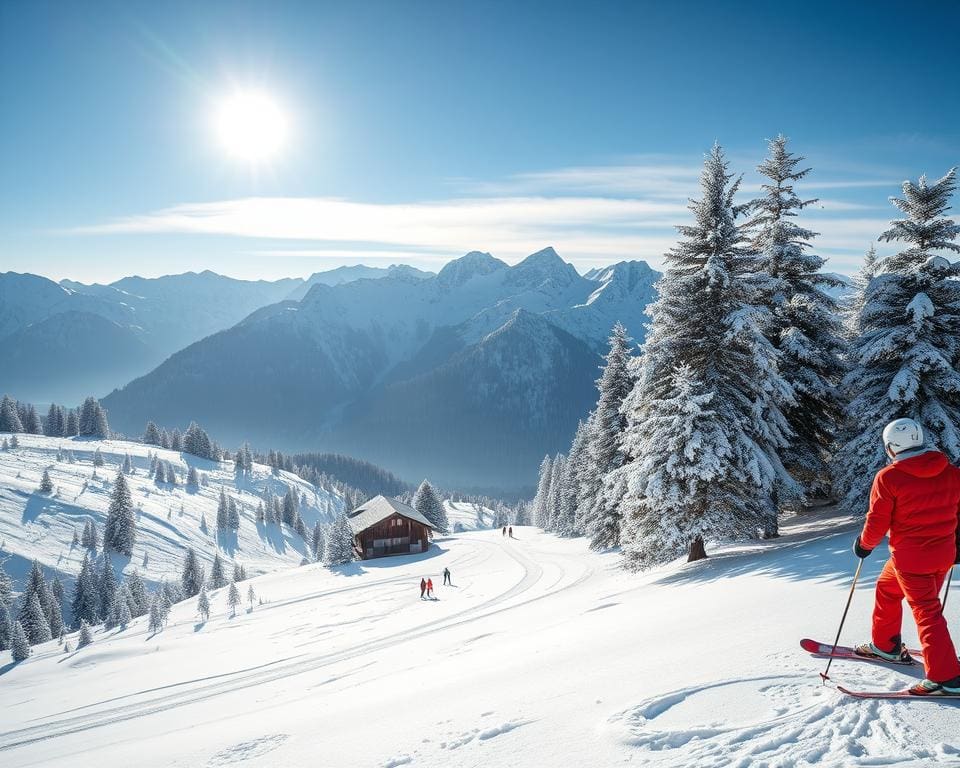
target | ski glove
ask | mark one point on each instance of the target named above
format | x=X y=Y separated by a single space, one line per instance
x=859 y=550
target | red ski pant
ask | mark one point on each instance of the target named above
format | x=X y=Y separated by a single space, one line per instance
x=922 y=592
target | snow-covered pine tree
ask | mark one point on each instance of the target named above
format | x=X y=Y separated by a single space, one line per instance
x=804 y=326
x=5 y=445
x=853 y=306
x=31 y=421
x=233 y=514
x=904 y=360
x=557 y=474
x=19 y=644
x=233 y=598
x=46 y=484
x=55 y=618
x=34 y=620
x=193 y=480
x=36 y=585
x=237 y=573
x=86 y=601
x=98 y=458
x=261 y=516
x=127 y=467
x=707 y=318
x=289 y=507
x=120 y=530
x=107 y=585
x=223 y=512
x=522 y=514
x=317 y=541
x=218 y=578
x=203 y=605
x=171 y=475
x=73 y=423
x=6 y=627
x=602 y=455
x=123 y=613
x=85 y=636
x=14 y=441
x=251 y=596
x=203 y=522
x=93 y=420
x=151 y=435
x=300 y=527
x=164 y=602
x=197 y=442
x=541 y=502
x=191 y=576
x=57 y=589
x=339 y=542
x=139 y=602
x=428 y=504
x=51 y=427
x=164 y=438
x=9 y=416
x=176 y=440
x=156 y=618
x=567 y=521
x=6 y=587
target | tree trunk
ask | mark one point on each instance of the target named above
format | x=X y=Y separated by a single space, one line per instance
x=697 y=550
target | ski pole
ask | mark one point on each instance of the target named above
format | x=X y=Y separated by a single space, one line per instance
x=946 y=592
x=856 y=577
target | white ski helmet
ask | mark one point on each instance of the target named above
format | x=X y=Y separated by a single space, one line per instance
x=901 y=435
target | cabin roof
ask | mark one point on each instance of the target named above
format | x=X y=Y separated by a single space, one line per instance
x=380 y=508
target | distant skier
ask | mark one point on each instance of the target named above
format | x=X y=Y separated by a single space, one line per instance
x=423 y=587
x=504 y=530
x=915 y=499
x=446 y=577
x=510 y=531
x=429 y=587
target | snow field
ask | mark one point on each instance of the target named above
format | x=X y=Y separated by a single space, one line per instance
x=542 y=653
x=35 y=526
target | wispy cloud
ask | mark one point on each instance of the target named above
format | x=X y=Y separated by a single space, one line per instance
x=591 y=214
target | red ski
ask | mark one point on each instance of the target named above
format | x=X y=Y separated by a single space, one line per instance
x=897 y=695
x=845 y=652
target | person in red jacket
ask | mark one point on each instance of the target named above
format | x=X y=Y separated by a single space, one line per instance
x=915 y=500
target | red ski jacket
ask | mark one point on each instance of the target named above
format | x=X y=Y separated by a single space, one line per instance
x=917 y=501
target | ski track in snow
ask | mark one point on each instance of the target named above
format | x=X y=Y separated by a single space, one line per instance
x=542 y=653
x=199 y=690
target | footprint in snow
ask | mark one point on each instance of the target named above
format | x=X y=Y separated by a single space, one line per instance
x=783 y=720
x=247 y=750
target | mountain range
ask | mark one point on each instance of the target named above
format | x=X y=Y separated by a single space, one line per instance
x=468 y=376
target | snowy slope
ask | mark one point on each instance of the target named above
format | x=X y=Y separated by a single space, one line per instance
x=463 y=515
x=34 y=526
x=541 y=654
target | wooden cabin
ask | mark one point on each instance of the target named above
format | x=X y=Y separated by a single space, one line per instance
x=383 y=526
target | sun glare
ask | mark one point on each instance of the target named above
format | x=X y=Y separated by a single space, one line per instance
x=250 y=126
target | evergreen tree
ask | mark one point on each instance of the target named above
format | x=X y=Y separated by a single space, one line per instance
x=85 y=636
x=9 y=417
x=192 y=576
x=73 y=423
x=33 y=619
x=233 y=598
x=46 y=484
x=98 y=458
x=709 y=316
x=522 y=514
x=176 y=440
x=233 y=514
x=197 y=442
x=52 y=426
x=123 y=613
x=804 y=325
x=428 y=504
x=107 y=584
x=203 y=522
x=318 y=543
x=568 y=521
x=14 y=442
x=541 y=502
x=193 y=481
x=261 y=517
x=238 y=574
x=340 y=542
x=557 y=475
x=57 y=590
x=217 y=577
x=86 y=602
x=157 y=619
x=19 y=644
x=151 y=435
x=601 y=453
x=120 y=531
x=171 y=474
x=37 y=585
x=223 y=512
x=55 y=617
x=203 y=605
x=905 y=357
x=6 y=588
x=251 y=596
x=139 y=603
x=127 y=467
x=6 y=627
x=853 y=307
x=93 y=420
x=31 y=424
x=290 y=510
x=164 y=438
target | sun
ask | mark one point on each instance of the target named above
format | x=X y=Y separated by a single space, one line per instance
x=251 y=126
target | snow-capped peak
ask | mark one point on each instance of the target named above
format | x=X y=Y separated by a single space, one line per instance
x=469 y=266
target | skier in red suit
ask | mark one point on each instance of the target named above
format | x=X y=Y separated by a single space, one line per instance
x=915 y=500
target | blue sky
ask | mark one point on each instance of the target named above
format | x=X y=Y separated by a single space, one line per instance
x=422 y=130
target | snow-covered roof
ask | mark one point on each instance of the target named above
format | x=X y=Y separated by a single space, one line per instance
x=380 y=508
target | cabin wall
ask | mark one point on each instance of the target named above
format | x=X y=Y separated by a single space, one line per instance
x=396 y=535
